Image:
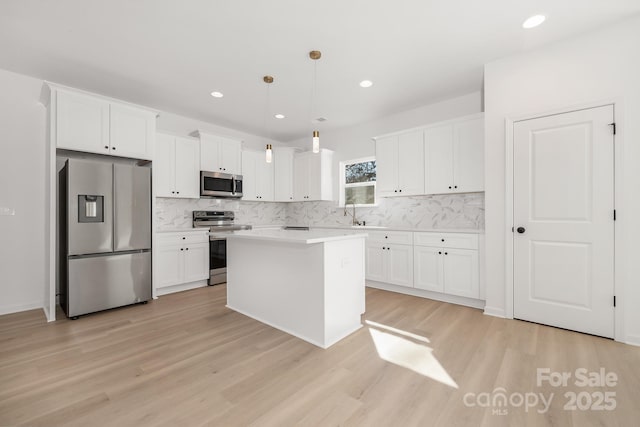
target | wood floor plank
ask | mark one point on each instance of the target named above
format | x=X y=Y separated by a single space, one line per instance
x=185 y=359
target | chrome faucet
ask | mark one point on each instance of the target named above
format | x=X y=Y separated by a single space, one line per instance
x=354 y=221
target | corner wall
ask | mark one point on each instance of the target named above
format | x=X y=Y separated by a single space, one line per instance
x=22 y=188
x=596 y=67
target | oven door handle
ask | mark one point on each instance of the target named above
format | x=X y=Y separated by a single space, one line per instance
x=233 y=179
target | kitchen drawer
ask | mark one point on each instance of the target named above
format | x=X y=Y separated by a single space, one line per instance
x=446 y=240
x=393 y=237
x=179 y=238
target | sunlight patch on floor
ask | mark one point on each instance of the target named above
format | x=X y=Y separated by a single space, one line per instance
x=399 y=349
x=397 y=331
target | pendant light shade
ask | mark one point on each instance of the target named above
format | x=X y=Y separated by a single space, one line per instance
x=269 y=154
x=316 y=141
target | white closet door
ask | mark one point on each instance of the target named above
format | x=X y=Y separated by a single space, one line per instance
x=563 y=218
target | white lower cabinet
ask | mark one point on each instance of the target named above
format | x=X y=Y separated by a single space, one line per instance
x=180 y=258
x=428 y=269
x=443 y=267
x=389 y=258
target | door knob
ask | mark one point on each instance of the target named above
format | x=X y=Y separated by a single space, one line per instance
x=520 y=230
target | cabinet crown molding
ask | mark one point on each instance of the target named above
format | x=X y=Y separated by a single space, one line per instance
x=49 y=87
x=430 y=125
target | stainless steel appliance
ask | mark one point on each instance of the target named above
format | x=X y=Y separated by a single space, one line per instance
x=216 y=184
x=220 y=224
x=104 y=236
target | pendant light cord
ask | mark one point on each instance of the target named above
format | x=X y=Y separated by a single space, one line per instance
x=314 y=84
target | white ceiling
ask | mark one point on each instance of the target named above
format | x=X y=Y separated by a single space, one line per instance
x=170 y=54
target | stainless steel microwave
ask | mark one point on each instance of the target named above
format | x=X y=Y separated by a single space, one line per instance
x=216 y=184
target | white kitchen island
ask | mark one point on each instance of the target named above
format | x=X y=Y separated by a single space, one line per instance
x=309 y=284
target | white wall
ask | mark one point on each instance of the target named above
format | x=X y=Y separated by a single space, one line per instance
x=22 y=188
x=603 y=65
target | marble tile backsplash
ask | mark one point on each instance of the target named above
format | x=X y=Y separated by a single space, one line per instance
x=454 y=211
x=177 y=213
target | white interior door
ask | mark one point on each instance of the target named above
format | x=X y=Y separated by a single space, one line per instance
x=563 y=219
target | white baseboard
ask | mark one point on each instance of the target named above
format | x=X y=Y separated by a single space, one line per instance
x=16 y=308
x=633 y=340
x=453 y=299
x=495 y=312
x=181 y=287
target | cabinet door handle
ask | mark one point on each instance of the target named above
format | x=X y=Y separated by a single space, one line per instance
x=182 y=249
x=386 y=237
x=443 y=240
x=187 y=249
x=439 y=252
x=183 y=238
x=446 y=253
x=455 y=186
x=178 y=192
x=113 y=148
x=399 y=191
x=395 y=191
x=449 y=187
x=106 y=146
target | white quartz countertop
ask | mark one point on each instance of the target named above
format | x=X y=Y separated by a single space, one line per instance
x=378 y=228
x=295 y=236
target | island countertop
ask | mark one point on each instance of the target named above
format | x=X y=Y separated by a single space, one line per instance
x=296 y=236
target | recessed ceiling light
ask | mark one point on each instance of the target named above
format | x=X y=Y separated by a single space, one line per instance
x=366 y=83
x=533 y=21
x=279 y=116
x=217 y=94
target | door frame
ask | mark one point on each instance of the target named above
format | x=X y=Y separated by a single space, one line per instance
x=619 y=224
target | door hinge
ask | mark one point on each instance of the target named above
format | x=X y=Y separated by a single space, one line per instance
x=613 y=127
x=614 y=300
x=615 y=215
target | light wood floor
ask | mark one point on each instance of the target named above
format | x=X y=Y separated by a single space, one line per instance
x=186 y=360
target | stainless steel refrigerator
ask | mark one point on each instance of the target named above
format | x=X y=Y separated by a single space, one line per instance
x=105 y=235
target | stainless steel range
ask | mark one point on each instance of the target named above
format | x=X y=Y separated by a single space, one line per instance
x=220 y=224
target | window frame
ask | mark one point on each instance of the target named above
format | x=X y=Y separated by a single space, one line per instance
x=343 y=185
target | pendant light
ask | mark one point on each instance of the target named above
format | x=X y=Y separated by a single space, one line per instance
x=268 y=152
x=315 y=55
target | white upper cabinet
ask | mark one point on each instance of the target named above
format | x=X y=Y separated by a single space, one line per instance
x=175 y=168
x=399 y=165
x=132 y=132
x=283 y=174
x=438 y=159
x=94 y=124
x=453 y=157
x=313 y=176
x=468 y=155
x=220 y=154
x=257 y=179
x=82 y=123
